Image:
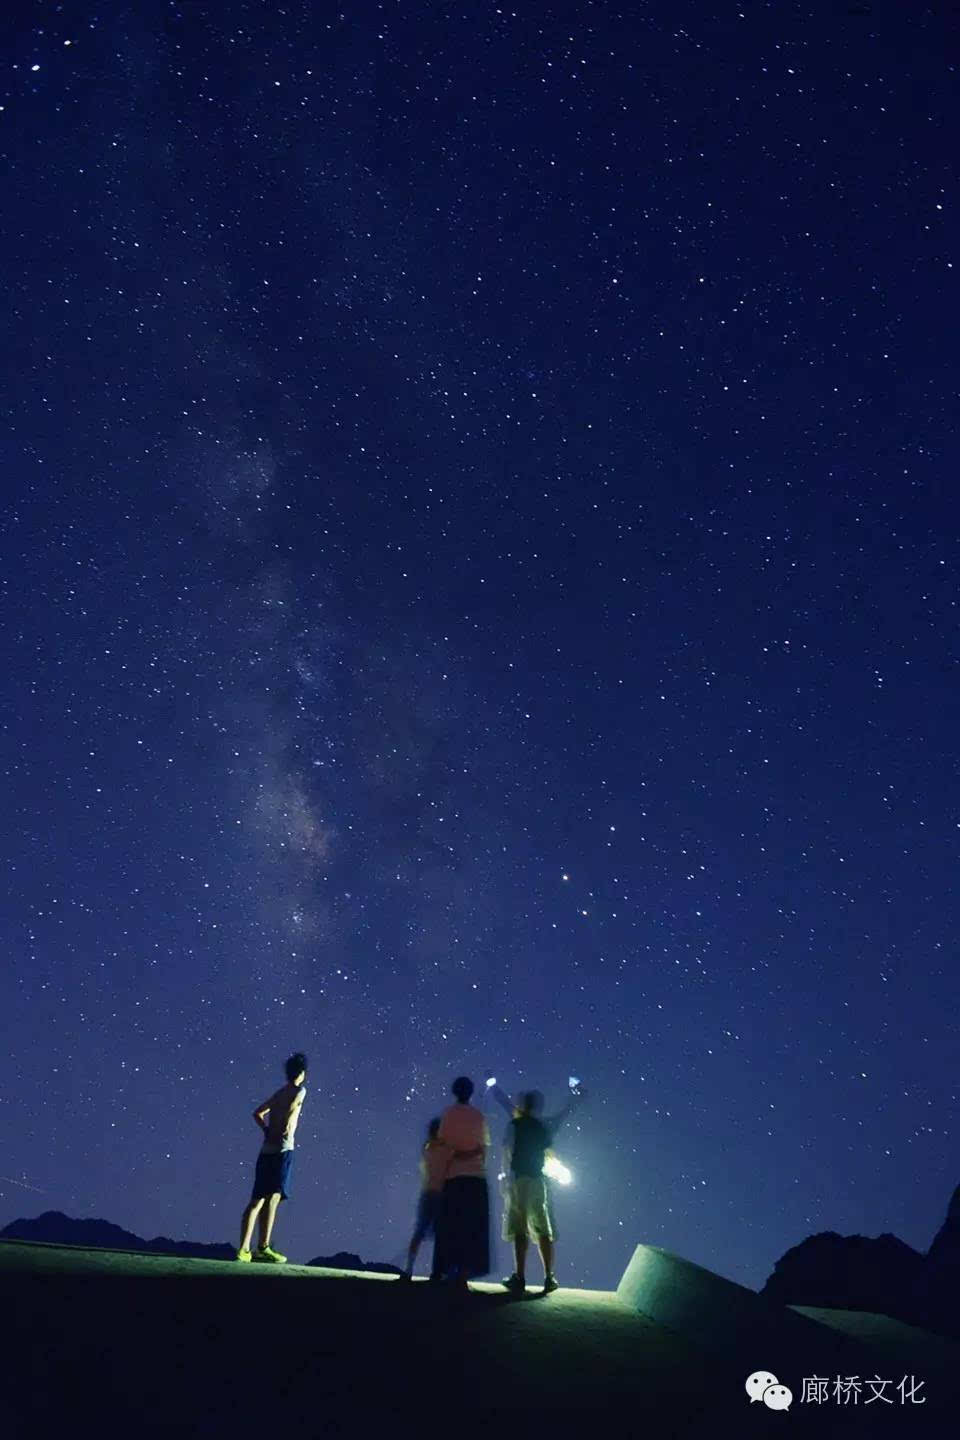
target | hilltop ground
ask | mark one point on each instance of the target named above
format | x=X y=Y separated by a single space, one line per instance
x=107 y=1343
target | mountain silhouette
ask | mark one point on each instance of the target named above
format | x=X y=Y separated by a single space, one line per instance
x=876 y=1273
x=945 y=1250
x=55 y=1228
x=346 y=1260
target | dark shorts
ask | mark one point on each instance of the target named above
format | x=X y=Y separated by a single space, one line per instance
x=429 y=1208
x=273 y=1175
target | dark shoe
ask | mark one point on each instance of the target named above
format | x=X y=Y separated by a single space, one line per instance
x=550 y=1283
x=405 y=1276
x=515 y=1285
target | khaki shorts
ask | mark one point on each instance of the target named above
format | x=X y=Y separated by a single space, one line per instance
x=527 y=1210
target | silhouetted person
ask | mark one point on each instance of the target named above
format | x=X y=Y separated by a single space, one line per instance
x=462 y=1251
x=277 y=1118
x=528 y=1211
x=434 y=1162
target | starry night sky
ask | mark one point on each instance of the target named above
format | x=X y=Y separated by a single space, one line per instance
x=479 y=576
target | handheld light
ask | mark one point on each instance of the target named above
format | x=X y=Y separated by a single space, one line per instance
x=554 y=1169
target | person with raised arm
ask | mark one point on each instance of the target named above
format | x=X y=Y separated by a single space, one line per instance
x=528 y=1211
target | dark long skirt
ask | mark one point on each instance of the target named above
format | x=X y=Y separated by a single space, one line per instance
x=463 y=1228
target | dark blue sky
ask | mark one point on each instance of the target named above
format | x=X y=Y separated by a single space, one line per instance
x=480 y=589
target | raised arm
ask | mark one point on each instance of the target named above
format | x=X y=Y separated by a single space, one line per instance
x=554 y=1122
x=503 y=1100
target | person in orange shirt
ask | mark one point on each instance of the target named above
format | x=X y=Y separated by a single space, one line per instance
x=434 y=1162
x=462 y=1250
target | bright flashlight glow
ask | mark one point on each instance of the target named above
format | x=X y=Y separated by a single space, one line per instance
x=573 y=1082
x=491 y=1080
x=554 y=1170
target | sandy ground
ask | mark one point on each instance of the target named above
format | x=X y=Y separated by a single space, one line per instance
x=105 y=1343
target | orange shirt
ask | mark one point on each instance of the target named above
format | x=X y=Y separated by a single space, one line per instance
x=463 y=1127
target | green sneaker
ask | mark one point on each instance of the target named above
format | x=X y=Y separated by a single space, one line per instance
x=269 y=1257
x=244 y=1256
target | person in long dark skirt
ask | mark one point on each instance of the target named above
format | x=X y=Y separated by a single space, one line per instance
x=463 y=1230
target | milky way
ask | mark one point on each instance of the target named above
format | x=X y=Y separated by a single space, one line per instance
x=479 y=591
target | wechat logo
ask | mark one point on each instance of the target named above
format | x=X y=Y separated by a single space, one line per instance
x=761 y=1385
